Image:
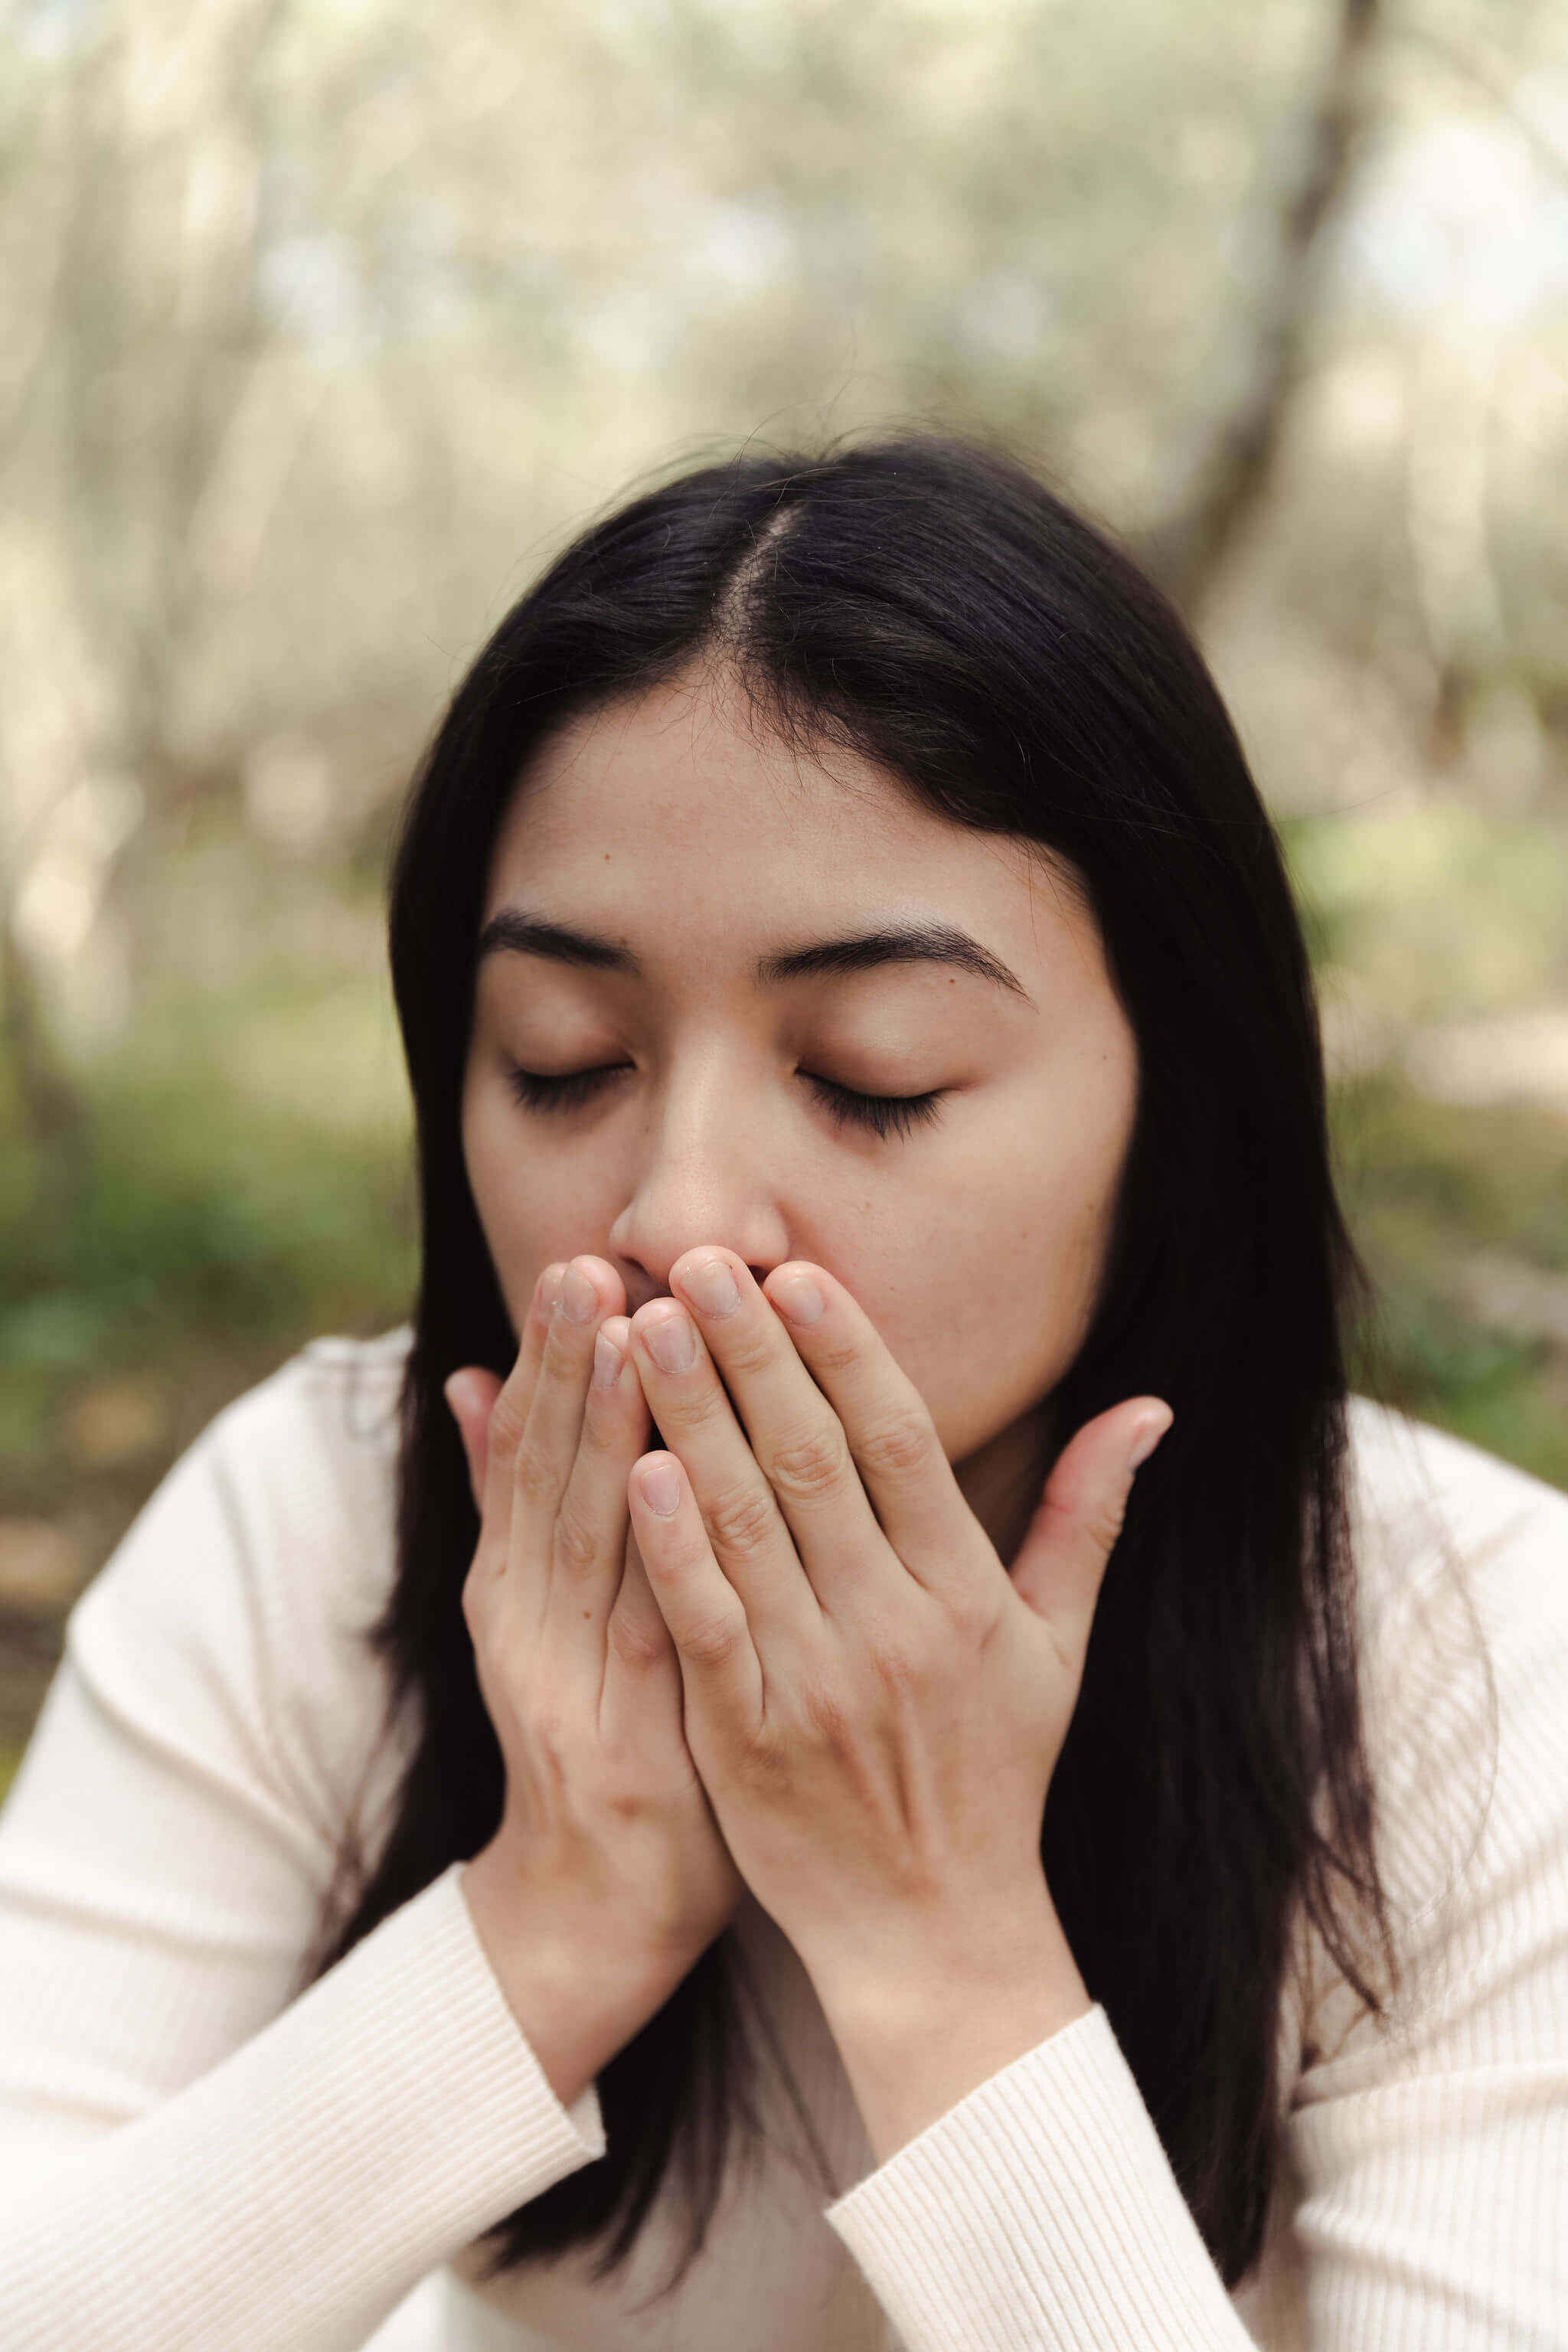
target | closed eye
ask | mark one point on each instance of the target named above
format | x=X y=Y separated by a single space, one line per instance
x=884 y=1115
x=568 y=1093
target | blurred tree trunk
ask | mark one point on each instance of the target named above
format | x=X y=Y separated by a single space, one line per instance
x=152 y=330
x=47 y=1104
x=1189 y=547
x=158 y=332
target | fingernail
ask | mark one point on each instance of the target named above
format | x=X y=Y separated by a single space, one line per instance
x=712 y=1288
x=579 y=1298
x=660 y=1485
x=671 y=1342
x=607 y=1361
x=1146 y=1436
x=548 y=1291
x=798 y=1297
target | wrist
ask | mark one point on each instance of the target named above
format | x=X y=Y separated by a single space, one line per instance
x=959 y=2005
x=580 y=1987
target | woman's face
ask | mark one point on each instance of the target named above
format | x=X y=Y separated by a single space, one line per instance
x=755 y=921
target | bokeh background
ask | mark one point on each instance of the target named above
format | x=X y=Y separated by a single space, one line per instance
x=321 y=324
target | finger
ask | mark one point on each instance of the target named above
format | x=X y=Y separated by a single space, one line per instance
x=590 y=1526
x=887 y=1424
x=745 y=1527
x=720 y=1669
x=641 y=1669
x=1061 y=1561
x=509 y=1414
x=471 y=1397
x=589 y=1289
x=794 y=1432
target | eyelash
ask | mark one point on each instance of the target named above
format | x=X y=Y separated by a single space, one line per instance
x=884 y=1115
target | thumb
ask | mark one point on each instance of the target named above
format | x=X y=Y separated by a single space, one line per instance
x=1061 y=1561
x=470 y=1394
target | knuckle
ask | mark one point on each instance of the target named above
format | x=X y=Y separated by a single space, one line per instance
x=766 y=1766
x=506 y=1426
x=742 y=1521
x=505 y=1683
x=714 y=1643
x=550 y=1737
x=534 y=1475
x=905 y=1651
x=692 y=1407
x=630 y=1804
x=901 y=1667
x=1106 y=1519
x=634 y=1642
x=812 y=1465
x=899 y=1446
x=752 y=1349
x=972 y=1614
x=895 y=1654
x=576 y=1544
x=826 y=1714
x=836 y=1351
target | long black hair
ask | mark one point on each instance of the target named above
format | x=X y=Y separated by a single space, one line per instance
x=929 y=605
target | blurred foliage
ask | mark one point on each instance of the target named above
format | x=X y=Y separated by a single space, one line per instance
x=1432 y=1189
x=201 y=1224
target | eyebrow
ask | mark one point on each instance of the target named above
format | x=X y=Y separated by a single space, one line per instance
x=919 y=939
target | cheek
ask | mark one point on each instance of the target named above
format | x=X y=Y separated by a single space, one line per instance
x=497 y=1197
x=988 y=1345
x=536 y=1201
x=997 y=1282
x=527 y=1214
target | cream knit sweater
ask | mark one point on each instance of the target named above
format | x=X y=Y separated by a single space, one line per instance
x=196 y=2161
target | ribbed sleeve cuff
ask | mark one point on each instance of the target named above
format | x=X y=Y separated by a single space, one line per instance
x=391 y=2114
x=1040 y=2215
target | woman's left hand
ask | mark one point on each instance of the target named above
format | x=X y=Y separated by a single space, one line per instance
x=875 y=1703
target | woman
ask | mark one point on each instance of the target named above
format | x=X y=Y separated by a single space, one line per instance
x=877 y=1222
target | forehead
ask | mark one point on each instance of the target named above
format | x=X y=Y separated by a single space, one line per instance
x=676 y=799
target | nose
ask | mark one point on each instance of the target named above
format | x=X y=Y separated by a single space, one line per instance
x=707 y=1172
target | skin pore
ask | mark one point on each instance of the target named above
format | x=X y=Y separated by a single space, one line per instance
x=697 y=848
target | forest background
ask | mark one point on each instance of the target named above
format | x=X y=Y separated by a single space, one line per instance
x=323 y=322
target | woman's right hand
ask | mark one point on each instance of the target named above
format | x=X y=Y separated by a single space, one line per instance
x=607 y=1877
